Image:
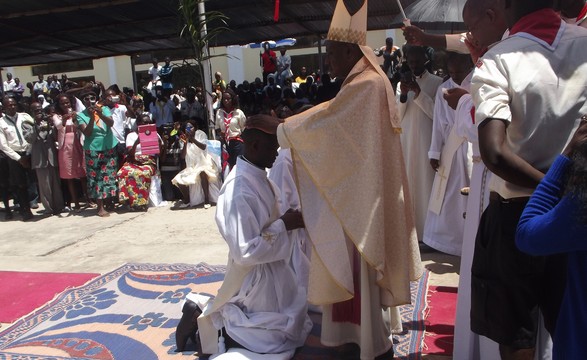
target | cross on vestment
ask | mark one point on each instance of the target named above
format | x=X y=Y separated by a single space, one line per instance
x=443 y=177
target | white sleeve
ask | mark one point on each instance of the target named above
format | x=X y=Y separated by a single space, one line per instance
x=465 y=119
x=249 y=242
x=489 y=88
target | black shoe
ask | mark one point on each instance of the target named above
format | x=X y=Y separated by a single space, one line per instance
x=188 y=325
x=27 y=216
x=8 y=215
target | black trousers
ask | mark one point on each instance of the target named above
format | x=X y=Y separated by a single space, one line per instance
x=18 y=182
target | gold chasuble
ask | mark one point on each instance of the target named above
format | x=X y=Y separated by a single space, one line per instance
x=352 y=184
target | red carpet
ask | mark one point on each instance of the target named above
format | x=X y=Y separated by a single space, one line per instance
x=440 y=322
x=23 y=292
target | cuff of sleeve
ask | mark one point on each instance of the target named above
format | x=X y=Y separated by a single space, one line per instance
x=558 y=169
x=456 y=42
x=271 y=232
x=434 y=155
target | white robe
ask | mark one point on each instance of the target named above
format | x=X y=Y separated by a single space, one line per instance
x=269 y=312
x=416 y=121
x=199 y=161
x=444 y=231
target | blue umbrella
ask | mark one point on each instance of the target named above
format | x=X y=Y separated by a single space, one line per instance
x=273 y=44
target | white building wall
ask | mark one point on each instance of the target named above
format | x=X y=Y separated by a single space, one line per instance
x=244 y=64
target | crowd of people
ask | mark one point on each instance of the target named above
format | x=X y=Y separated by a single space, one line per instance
x=481 y=156
x=88 y=136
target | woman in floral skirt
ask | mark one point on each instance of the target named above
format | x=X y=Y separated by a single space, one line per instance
x=96 y=123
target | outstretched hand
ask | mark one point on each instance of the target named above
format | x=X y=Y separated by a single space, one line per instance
x=414 y=35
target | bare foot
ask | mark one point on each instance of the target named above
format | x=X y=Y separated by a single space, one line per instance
x=103 y=213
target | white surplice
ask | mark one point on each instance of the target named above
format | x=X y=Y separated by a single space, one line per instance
x=282 y=175
x=416 y=121
x=444 y=231
x=268 y=314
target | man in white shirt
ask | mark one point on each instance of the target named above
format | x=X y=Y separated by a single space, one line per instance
x=16 y=148
x=162 y=110
x=119 y=115
x=9 y=85
x=155 y=79
x=283 y=67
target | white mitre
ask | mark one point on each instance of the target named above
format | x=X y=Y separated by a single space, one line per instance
x=348 y=28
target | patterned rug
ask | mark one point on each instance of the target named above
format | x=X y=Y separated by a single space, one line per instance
x=132 y=312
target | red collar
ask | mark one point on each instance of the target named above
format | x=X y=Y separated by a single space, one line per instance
x=543 y=26
x=582 y=15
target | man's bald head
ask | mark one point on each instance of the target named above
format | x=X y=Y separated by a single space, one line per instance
x=260 y=147
x=486 y=20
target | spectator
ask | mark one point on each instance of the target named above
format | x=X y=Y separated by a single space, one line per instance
x=155 y=79
x=95 y=122
x=555 y=222
x=230 y=121
x=268 y=62
x=190 y=108
x=200 y=172
x=18 y=90
x=41 y=135
x=70 y=152
x=301 y=78
x=162 y=110
x=219 y=83
x=283 y=67
x=134 y=176
x=40 y=87
x=166 y=75
x=16 y=148
x=9 y=85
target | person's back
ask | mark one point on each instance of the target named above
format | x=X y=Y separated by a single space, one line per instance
x=548 y=86
x=554 y=222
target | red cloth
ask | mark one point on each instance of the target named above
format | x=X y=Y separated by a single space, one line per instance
x=350 y=310
x=276 y=13
x=268 y=65
x=543 y=24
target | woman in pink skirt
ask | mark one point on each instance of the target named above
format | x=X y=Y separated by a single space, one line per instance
x=71 y=153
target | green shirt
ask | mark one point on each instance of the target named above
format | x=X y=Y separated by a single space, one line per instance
x=102 y=137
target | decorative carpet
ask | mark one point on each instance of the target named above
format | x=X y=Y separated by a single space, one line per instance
x=440 y=320
x=23 y=292
x=132 y=312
